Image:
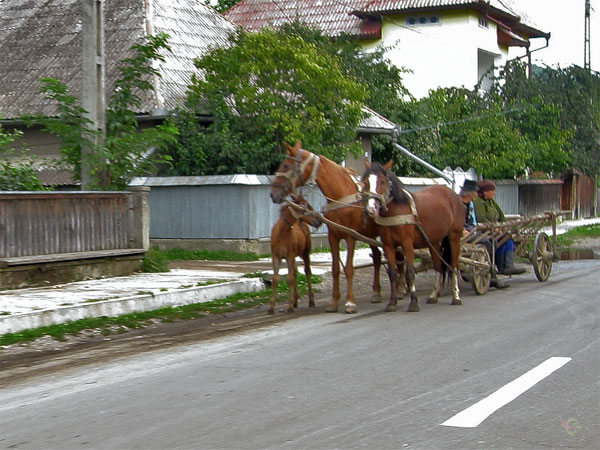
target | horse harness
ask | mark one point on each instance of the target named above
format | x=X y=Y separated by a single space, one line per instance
x=295 y=173
x=398 y=219
x=406 y=219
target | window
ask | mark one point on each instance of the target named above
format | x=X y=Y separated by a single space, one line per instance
x=423 y=20
x=483 y=22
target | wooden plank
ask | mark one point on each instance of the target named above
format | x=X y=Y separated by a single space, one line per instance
x=57 y=257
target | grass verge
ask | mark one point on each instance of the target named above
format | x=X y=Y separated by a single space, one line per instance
x=180 y=254
x=109 y=325
x=584 y=231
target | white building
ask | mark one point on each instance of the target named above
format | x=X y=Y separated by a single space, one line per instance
x=443 y=43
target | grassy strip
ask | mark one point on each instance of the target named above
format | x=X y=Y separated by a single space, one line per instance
x=179 y=254
x=585 y=231
x=157 y=260
x=592 y=230
x=107 y=325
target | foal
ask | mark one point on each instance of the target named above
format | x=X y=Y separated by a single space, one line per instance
x=290 y=238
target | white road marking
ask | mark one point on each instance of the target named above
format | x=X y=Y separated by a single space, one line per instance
x=477 y=413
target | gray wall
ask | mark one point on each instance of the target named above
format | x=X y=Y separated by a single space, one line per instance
x=214 y=207
x=507 y=196
x=223 y=207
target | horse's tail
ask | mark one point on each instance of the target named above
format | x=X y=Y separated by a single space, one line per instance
x=446 y=255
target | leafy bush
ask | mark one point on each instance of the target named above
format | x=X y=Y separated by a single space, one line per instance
x=16 y=176
x=19 y=177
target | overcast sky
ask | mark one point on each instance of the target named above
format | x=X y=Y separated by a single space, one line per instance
x=565 y=20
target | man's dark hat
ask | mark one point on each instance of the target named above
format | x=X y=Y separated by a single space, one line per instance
x=469 y=186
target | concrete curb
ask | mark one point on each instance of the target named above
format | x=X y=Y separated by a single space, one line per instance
x=125 y=305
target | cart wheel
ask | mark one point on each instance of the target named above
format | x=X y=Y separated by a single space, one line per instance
x=541 y=257
x=480 y=277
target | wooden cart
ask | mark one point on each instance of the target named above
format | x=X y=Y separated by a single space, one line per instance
x=531 y=243
x=475 y=264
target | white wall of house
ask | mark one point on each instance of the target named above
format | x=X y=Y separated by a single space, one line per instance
x=452 y=48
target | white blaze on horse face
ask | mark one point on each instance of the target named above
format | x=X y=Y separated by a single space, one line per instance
x=372 y=186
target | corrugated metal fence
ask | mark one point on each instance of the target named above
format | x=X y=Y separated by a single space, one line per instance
x=43 y=223
x=227 y=207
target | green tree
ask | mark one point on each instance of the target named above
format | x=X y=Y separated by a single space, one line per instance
x=16 y=174
x=571 y=94
x=458 y=128
x=126 y=150
x=386 y=93
x=507 y=132
x=265 y=88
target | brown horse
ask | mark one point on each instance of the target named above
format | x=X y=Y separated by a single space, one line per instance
x=290 y=238
x=343 y=207
x=431 y=218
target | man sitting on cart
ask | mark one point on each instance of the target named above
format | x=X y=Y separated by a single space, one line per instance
x=467 y=194
x=487 y=210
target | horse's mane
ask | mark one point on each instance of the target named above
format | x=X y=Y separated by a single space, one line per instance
x=397 y=189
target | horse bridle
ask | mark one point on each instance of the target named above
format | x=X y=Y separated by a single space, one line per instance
x=399 y=219
x=295 y=173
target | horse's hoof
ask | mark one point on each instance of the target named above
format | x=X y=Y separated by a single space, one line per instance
x=270 y=311
x=391 y=308
x=413 y=308
x=290 y=310
x=311 y=304
x=432 y=301
x=350 y=308
x=456 y=301
x=331 y=308
x=377 y=298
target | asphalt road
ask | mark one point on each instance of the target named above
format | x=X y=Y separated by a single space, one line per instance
x=372 y=380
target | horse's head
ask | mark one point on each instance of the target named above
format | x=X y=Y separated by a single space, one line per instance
x=295 y=170
x=381 y=186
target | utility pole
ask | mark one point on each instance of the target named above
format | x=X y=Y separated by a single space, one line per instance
x=92 y=79
x=587 y=54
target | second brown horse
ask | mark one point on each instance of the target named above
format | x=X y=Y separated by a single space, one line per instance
x=431 y=218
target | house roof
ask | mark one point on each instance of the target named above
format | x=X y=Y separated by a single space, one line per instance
x=332 y=17
x=355 y=17
x=42 y=38
x=375 y=123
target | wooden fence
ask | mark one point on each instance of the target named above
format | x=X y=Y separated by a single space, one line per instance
x=44 y=223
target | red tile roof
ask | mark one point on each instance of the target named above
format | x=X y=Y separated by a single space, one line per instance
x=332 y=17
x=335 y=17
